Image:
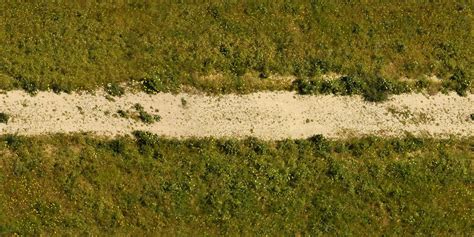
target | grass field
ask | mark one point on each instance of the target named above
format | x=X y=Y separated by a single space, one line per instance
x=169 y=46
x=145 y=185
x=368 y=186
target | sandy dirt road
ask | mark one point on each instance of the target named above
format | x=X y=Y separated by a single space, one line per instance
x=266 y=115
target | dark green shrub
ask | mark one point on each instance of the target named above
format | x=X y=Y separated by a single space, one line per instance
x=4 y=118
x=229 y=147
x=56 y=88
x=238 y=65
x=360 y=146
x=184 y=102
x=146 y=117
x=421 y=84
x=407 y=144
x=164 y=80
x=336 y=170
x=400 y=170
x=305 y=86
x=314 y=86
x=459 y=82
x=61 y=87
x=317 y=67
x=14 y=141
x=28 y=85
x=114 y=89
x=256 y=145
x=138 y=107
x=400 y=47
x=117 y=146
x=327 y=87
x=264 y=72
x=398 y=87
x=319 y=142
x=122 y=113
x=153 y=85
x=139 y=114
x=351 y=85
x=145 y=138
x=376 y=89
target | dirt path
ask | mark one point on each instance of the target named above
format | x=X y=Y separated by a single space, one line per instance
x=265 y=115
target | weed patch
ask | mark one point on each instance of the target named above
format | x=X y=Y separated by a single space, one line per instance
x=139 y=114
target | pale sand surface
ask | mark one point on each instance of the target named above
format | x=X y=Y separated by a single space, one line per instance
x=266 y=115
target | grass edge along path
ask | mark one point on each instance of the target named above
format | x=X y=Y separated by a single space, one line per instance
x=71 y=184
x=169 y=45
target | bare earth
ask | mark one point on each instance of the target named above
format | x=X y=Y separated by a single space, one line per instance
x=266 y=115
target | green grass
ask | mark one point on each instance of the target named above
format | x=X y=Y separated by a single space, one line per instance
x=78 y=184
x=170 y=46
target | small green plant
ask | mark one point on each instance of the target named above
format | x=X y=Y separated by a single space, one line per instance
x=114 y=89
x=350 y=85
x=152 y=85
x=4 y=118
x=306 y=86
x=138 y=107
x=459 y=82
x=80 y=109
x=422 y=83
x=58 y=88
x=122 y=113
x=328 y=87
x=144 y=116
x=184 y=102
x=376 y=89
x=163 y=81
x=229 y=147
x=29 y=86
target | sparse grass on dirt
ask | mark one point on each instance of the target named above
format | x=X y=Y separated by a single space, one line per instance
x=166 y=45
x=78 y=184
x=139 y=114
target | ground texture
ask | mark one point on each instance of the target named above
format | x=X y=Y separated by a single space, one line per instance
x=264 y=115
